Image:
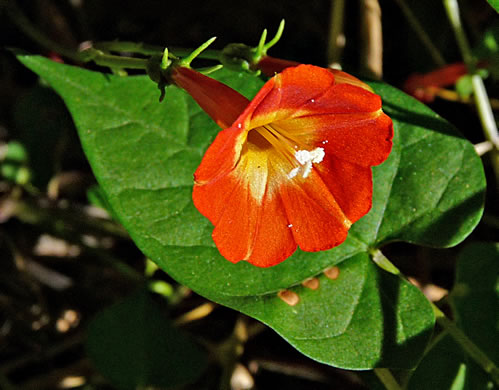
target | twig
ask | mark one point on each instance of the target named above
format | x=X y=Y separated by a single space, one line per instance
x=230 y=350
x=483 y=147
x=386 y=377
x=453 y=96
x=423 y=36
x=467 y=345
x=336 y=40
x=479 y=92
x=49 y=353
x=196 y=314
x=23 y=23
x=372 y=53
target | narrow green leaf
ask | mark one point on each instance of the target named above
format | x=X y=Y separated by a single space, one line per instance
x=429 y=191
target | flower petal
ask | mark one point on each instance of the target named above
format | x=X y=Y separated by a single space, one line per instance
x=350 y=185
x=361 y=138
x=346 y=78
x=250 y=222
x=318 y=221
x=307 y=90
x=222 y=155
x=274 y=241
x=287 y=92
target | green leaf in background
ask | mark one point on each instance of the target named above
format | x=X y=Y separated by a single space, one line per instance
x=494 y=4
x=429 y=191
x=40 y=114
x=134 y=346
x=475 y=302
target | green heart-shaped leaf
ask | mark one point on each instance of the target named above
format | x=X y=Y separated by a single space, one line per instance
x=429 y=191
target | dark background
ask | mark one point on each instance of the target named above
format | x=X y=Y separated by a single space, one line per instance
x=34 y=352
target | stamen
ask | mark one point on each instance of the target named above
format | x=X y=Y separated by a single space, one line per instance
x=293 y=172
x=305 y=158
x=281 y=142
x=286 y=144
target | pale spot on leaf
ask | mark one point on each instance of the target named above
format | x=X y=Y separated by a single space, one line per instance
x=289 y=297
x=332 y=273
x=311 y=283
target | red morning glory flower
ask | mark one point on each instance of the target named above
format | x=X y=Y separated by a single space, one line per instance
x=293 y=166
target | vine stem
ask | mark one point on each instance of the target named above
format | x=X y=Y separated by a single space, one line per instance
x=468 y=346
x=98 y=52
x=386 y=377
x=479 y=92
x=23 y=23
x=372 y=36
x=336 y=39
x=112 y=61
x=438 y=59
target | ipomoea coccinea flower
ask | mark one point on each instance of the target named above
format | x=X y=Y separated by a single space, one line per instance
x=292 y=167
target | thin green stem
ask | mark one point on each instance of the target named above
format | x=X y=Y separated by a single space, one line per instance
x=452 y=8
x=467 y=345
x=98 y=52
x=382 y=261
x=479 y=92
x=111 y=60
x=149 y=50
x=486 y=115
x=128 y=47
x=423 y=36
x=470 y=348
x=387 y=378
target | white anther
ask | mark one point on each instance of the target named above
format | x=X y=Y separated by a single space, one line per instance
x=315 y=156
x=305 y=158
x=293 y=172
